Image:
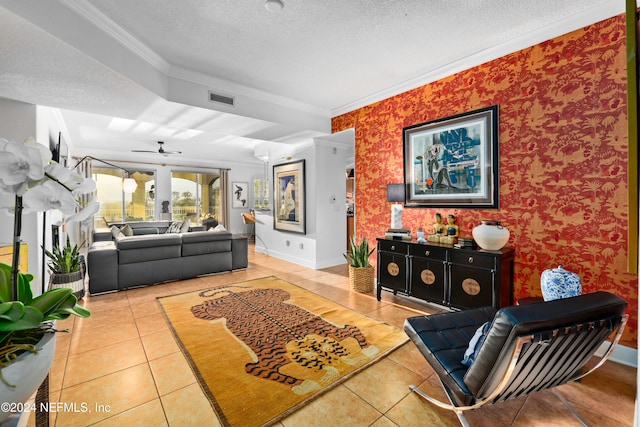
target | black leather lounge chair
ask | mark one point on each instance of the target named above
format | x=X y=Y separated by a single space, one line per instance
x=527 y=348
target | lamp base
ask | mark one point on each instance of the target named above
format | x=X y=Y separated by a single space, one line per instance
x=398 y=234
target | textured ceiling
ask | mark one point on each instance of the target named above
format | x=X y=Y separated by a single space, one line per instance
x=148 y=63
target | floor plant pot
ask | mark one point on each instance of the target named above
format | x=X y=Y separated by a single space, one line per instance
x=73 y=280
x=27 y=372
x=361 y=278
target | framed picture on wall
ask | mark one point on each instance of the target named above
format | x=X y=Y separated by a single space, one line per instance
x=289 y=197
x=240 y=196
x=453 y=161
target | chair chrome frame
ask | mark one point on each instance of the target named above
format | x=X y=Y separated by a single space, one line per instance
x=511 y=372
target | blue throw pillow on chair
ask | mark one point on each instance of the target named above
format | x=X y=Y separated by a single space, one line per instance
x=476 y=342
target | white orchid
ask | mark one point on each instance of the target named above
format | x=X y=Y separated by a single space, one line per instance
x=49 y=195
x=26 y=170
x=88 y=212
x=20 y=164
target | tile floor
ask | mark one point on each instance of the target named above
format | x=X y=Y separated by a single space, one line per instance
x=122 y=367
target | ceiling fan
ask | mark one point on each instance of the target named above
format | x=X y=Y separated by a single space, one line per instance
x=161 y=150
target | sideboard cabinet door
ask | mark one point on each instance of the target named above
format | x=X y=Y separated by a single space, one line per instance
x=428 y=273
x=392 y=265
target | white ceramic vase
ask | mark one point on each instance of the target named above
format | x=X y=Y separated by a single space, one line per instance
x=26 y=373
x=490 y=235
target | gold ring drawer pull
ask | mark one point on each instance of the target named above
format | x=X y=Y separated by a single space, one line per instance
x=470 y=260
x=427 y=253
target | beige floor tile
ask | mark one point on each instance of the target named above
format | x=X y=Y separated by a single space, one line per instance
x=338 y=407
x=56 y=373
x=148 y=414
x=103 y=361
x=159 y=344
x=107 y=396
x=144 y=309
x=105 y=301
x=120 y=314
x=107 y=334
x=410 y=357
x=148 y=293
x=189 y=407
x=396 y=380
x=171 y=372
x=414 y=412
x=384 y=422
x=151 y=324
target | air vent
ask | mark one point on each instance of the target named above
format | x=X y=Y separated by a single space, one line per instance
x=223 y=99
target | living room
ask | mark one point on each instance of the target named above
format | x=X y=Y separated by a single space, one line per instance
x=562 y=172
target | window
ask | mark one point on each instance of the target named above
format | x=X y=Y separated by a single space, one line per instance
x=118 y=206
x=195 y=196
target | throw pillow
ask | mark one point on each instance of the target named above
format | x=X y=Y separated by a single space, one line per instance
x=127 y=230
x=476 y=342
x=185 y=226
x=174 y=227
x=115 y=231
x=218 y=227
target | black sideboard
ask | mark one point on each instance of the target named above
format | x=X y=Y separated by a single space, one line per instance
x=439 y=273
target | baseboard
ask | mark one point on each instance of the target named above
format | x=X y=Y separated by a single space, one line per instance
x=621 y=354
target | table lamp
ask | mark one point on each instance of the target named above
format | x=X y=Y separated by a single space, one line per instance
x=395 y=194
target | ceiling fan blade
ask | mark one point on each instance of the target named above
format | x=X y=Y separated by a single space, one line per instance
x=143 y=151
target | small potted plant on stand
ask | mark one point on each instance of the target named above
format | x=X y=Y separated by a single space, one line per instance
x=66 y=269
x=360 y=271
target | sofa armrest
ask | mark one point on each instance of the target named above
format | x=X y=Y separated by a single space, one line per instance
x=102 y=235
x=239 y=252
x=102 y=265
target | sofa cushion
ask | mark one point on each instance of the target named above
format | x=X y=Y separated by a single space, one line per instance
x=148 y=248
x=203 y=242
x=146 y=241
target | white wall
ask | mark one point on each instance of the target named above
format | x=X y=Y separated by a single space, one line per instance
x=326 y=228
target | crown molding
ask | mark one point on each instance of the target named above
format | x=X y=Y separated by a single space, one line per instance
x=565 y=26
x=101 y=21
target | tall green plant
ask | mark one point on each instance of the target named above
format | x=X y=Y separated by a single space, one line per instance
x=65 y=260
x=358 y=255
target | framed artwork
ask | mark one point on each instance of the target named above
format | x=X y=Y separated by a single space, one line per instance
x=240 y=195
x=289 y=207
x=453 y=162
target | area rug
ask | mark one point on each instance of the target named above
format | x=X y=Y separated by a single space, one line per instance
x=263 y=348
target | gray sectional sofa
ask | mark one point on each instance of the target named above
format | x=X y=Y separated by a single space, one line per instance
x=152 y=256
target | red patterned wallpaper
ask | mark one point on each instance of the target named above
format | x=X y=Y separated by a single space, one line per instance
x=563 y=157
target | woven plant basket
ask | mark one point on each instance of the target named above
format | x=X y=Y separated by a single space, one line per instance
x=361 y=278
x=73 y=280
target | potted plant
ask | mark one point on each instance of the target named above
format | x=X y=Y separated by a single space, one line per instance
x=360 y=271
x=66 y=268
x=27 y=342
x=35 y=184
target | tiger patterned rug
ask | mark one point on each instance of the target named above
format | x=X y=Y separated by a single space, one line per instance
x=262 y=348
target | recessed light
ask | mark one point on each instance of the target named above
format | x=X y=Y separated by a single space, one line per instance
x=274 y=6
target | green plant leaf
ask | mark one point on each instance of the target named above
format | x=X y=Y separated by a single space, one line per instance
x=30 y=319
x=5 y=282
x=49 y=302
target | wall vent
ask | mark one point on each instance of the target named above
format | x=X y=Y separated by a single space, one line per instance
x=223 y=99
